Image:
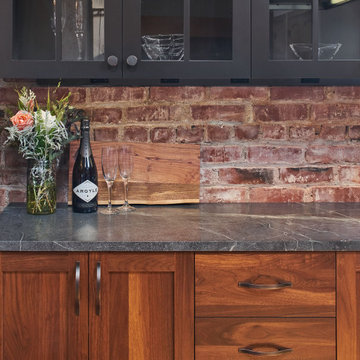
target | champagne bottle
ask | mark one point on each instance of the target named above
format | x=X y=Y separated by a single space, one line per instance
x=85 y=180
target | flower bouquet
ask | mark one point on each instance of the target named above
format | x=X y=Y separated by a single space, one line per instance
x=41 y=135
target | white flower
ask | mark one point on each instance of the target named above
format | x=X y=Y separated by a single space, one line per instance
x=46 y=120
x=27 y=99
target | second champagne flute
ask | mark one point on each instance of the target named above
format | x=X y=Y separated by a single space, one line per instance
x=126 y=166
x=109 y=162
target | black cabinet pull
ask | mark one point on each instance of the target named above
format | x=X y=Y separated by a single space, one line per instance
x=77 y=288
x=132 y=60
x=112 y=61
x=279 y=350
x=280 y=284
x=98 y=289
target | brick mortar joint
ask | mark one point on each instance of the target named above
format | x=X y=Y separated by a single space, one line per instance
x=13 y=187
x=230 y=165
x=305 y=187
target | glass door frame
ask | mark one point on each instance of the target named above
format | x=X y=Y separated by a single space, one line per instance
x=58 y=68
x=265 y=68
x=238 y=67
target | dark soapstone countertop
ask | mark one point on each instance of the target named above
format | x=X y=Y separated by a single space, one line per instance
x=206 y=227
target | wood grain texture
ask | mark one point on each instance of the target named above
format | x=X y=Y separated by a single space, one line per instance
x=37 y=313
x=220 y=339
x=163 y=174
x=119 y=310
x=312 y=276
x=184 y=306
x=143 y=310
x=132 y=262
x=348 y=306
x=151 y=316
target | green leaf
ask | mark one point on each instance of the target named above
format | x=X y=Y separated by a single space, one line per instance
x=48 y=105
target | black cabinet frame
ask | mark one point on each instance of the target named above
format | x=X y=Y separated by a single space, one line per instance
x=251 y=60
x=238 y=67
x=265 y=68
x=59 y=68
x=122 y=33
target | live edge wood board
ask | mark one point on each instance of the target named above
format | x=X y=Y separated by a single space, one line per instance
x=163 y=174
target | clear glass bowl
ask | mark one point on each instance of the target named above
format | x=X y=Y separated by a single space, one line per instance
x=164 y=46
x=303 y=51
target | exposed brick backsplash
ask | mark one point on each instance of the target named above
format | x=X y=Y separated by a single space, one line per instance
x=258 y=144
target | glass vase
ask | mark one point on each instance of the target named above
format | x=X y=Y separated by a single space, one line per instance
x=41 y=187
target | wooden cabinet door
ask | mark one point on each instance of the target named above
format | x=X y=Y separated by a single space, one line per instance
x=141 y=306
x=348 y=306
x=44 y=314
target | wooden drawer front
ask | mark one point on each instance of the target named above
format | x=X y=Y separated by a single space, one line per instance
x=312 y=278
x=308 y=339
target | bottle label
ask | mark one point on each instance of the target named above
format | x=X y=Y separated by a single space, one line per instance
x=86 y=191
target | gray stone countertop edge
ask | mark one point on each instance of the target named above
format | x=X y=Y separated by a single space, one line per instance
x=193 y=228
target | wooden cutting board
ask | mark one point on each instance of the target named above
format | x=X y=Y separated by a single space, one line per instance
x=163 y=174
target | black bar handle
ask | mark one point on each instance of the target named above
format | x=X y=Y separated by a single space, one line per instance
x=253 y=283
x=98 y=289
x=77 y=288
x=279 y=350
x=277 y=286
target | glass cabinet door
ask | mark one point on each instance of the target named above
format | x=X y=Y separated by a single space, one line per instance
x=339 y=30
x=290 y=30
x=306 y=39
x=59 y=38
x=184 y=39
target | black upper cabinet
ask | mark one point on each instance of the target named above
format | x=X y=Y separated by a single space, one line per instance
x=294 y=39
x=130 y=39
x=186 y=39
x=60 y=38
x=170 y=40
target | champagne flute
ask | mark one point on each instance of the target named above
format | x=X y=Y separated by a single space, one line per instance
x=109 y=163
x=80 y=27
x=126 y=165
x=53 y=17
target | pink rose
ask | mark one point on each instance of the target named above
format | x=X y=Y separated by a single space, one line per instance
x=22 y=120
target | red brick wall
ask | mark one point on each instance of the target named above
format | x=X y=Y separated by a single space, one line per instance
x=259 y=144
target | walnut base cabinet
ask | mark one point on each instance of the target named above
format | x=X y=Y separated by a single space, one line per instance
x=256 y=305
x=42 y=314
x=348 y=306
x=141 y=306
x=73 y=306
